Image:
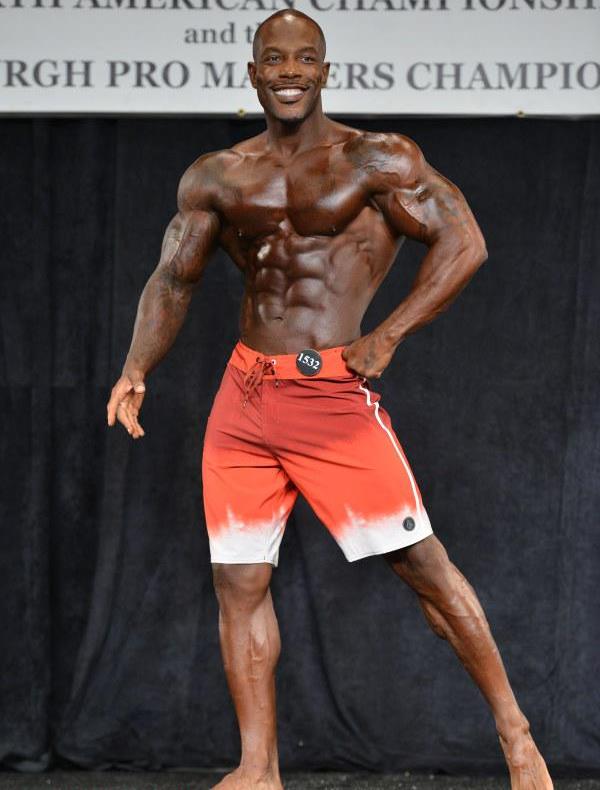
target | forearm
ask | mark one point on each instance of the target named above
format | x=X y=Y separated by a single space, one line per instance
x=161 y=312
x=444 y=272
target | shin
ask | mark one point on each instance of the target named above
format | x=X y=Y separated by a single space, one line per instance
x=453 y=611
x=250 y=646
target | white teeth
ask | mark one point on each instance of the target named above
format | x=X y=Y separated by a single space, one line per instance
x=288 y=91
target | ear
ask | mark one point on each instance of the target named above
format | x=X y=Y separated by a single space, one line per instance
x=325 y=73
x=252 y=72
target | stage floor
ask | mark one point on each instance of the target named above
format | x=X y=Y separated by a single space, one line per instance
x=196 y=780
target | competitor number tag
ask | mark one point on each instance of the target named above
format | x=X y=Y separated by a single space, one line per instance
x=309 y=362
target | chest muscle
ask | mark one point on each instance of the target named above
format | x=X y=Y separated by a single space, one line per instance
x=311 y=195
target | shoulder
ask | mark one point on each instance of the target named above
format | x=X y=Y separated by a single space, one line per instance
x=200 y=182
x=381 y=156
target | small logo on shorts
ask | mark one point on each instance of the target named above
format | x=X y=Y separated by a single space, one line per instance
x=408 y=523
x=309 y=362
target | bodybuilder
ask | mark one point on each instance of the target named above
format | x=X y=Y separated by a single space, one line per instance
x=313 y=213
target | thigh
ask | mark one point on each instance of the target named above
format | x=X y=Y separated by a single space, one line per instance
x=247 y=494
x=339 y=448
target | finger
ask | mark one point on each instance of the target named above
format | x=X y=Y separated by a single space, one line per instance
x=113 y=409
x=124 y=416
x=139 y=431
x=137 y=399
x=120 y=389
x=133 y=412
x=136 y=402
x=125 y=420
x=136 y=428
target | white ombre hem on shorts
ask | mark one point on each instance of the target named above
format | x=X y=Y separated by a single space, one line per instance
x=239 y=542
x=362 y=536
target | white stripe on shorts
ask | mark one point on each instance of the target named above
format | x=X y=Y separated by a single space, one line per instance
x=413 y=484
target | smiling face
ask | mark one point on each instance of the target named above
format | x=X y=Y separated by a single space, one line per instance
x=288 y=71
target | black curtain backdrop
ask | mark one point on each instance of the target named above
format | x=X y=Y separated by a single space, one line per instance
x=109 y=644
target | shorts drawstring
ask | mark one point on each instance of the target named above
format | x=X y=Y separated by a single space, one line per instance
x=255 y=375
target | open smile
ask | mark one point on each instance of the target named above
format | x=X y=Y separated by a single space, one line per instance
x=290 y=93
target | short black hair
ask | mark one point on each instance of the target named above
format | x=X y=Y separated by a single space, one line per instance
x=287 y=12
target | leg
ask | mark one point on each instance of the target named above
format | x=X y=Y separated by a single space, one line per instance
x=250 y=647
x=454 y=613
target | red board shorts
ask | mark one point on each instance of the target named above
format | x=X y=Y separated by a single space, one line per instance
x=273 y=432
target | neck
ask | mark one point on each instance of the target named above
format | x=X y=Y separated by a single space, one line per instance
x=291 y=138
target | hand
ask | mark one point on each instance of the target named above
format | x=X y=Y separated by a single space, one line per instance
x=369 y=355
x=126 y=401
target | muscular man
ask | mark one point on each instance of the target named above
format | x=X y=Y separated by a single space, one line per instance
x=313 y=213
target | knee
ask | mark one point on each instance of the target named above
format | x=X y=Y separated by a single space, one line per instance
x=241 y=586
x=422 y=558
x=425 y=566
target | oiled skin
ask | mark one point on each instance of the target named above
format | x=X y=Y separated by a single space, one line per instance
x=316 y=234
x=313 y=213
x=312 y=247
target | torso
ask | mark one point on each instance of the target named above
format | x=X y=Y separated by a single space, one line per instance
x=312 y=245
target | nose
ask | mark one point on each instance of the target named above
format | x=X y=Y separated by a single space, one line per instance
x=289 y=67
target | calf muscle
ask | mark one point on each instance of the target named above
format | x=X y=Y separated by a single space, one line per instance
x=454 y=613
x=250 y=645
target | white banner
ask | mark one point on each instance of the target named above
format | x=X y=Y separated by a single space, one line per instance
x=472 y=57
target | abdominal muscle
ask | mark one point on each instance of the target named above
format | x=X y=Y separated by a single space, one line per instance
x=296 y=328
x=311 y=291
x=310 y=301
x=305 y=291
